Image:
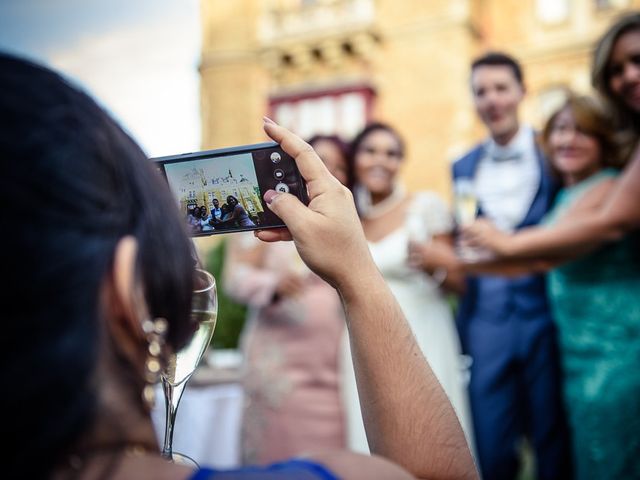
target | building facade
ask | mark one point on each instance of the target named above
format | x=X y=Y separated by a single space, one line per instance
x=330 y=66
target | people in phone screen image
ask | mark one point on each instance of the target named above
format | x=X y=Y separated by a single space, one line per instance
x=226 y=212
x=191 y=219
x=290 y=343
x=238 y=213
x=505 y=324
x=212 y=183
x=206 y=220
x=194 y=219
x=216 y=211
x=395 y=222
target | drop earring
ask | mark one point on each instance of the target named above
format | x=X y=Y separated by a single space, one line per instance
x=155 y=332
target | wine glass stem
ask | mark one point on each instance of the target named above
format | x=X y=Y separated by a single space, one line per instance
x=172 y=396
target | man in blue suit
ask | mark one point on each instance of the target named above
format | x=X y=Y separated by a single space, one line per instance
x=504 y=323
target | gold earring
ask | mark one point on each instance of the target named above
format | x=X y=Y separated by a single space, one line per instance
x=155 y=331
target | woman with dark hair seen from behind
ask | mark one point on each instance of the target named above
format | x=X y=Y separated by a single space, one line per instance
x=396 y=224
x=110 y=257
x=101 y=206
x=616 y=76
x=290 y=342
x=594 y=299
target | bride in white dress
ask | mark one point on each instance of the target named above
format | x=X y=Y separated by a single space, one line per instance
x=392 y=221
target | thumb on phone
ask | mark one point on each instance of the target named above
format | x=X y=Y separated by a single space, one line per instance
x=288 y=207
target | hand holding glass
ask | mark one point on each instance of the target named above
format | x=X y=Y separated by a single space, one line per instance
x=182 y=364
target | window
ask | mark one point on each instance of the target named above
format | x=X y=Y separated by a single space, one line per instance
x=552 y=12
x=341 y=111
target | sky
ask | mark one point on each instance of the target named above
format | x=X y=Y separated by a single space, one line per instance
x=239 y=165
x=137 y=58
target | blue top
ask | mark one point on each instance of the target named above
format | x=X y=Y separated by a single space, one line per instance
x=289 y=470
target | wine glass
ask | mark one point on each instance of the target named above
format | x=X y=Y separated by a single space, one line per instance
x=466 y=202
x=182 y=364
x=465 y=211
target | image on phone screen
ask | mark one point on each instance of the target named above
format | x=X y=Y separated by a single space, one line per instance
x=221 y=191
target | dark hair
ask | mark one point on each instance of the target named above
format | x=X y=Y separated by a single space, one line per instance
x=335 y=139
x=342 y=147
x=591 y=118
x=357 y=142
x=493 y=59
x=601 y=72
x=368 y=130
x=88 y=185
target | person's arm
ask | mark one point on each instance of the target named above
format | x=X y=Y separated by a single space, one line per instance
x=408 y=417
x=621 y=210
x=509 y=267
x=437 y=257
x=245 y=280
x=442 y=255
x=582 y=228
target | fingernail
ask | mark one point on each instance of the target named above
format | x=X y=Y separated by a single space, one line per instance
x=269 y=195
x=268 y=120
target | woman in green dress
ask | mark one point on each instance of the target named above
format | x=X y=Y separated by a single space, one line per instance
x=595 y=299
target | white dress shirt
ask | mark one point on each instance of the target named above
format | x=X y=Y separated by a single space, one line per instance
x=507 y=179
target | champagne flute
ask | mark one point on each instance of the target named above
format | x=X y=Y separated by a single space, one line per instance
x=465 y=210
x=182 y=364
x=466 y=202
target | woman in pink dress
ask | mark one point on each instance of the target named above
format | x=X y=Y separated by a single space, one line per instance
x=290 y=343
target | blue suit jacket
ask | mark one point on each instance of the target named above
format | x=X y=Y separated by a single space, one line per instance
x=494 y=298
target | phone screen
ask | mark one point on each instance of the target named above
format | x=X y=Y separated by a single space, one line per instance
x=221 y=191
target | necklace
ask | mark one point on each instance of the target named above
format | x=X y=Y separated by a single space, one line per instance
x=371 y=211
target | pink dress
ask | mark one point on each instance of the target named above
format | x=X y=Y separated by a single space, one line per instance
x=291 y=349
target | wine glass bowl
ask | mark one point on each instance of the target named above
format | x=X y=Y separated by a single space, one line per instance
x=181 y=364
x=465 y=202
x=465 y=212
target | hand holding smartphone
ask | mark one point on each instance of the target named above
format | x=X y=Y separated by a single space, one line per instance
x=221 y=191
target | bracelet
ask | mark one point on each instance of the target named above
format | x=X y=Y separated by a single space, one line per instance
x=439 y=275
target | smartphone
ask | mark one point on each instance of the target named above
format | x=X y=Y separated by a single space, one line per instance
x=221 y=191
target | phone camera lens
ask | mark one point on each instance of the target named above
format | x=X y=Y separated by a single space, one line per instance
x=275 y=157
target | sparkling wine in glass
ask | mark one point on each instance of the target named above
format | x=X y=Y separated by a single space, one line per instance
x=465 y=211
x=181 y=365
x=466 y=202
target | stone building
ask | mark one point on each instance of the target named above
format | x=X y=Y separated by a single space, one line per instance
x=328 y=66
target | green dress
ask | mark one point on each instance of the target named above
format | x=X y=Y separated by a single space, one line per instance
x=596 y=304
